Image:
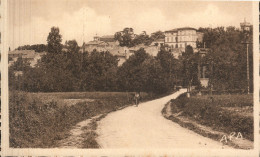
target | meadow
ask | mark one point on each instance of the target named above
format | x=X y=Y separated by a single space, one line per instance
x=40 y=120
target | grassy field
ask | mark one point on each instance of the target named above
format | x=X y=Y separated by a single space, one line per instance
x=40 y=120
x=227 y=113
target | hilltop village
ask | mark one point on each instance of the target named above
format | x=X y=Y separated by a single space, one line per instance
x=174 y=41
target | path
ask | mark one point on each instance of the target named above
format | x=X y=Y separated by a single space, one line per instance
x=145 y=127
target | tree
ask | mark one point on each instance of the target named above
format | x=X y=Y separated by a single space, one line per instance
x=72 y=46
x=170 y=66
x=54 y=40
x=158 y=35
x=190 y=64
x=227 y=58
x=36 y=48
x=125 y=37
x=20 y=64
x=157 y=81
x=131 y=77
x=141 y=39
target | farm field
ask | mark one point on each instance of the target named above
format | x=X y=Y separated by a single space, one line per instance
x=227 y=113
x=43 y=119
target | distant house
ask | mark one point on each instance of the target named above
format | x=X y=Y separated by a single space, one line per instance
x=182 y=37
x=103 y=43
x=246 y=26
x=107 y=38
x=30 y=55
x=158 y=42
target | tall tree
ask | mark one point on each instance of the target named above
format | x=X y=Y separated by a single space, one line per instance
x=190 y=64
x=54 y=40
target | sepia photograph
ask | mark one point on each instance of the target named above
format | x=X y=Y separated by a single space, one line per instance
x=89 y=74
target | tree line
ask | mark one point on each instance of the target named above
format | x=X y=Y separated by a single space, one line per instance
x=36 y=47
x=63 y=71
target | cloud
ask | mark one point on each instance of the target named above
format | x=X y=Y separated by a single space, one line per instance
x=211 y=16
x=149 y=19
x=71 y=27
x=154 y=19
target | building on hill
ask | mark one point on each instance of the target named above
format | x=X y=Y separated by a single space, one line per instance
x=159 y=43
x=104 y=43
x=182 y=37
x=246 y=26
x=105 y=38
x=30 y=55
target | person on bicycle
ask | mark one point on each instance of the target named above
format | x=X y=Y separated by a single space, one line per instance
x=137 y=98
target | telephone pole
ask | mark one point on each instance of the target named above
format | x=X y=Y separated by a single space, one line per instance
x=247 y=42
x=247 y=65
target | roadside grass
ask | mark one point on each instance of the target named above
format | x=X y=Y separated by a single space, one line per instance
x=227 y=113
x=40 y=120
x=71 y=98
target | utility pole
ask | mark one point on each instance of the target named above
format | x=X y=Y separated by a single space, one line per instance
x=247 y=42
x=211 y=69
x=246 y=28
x=247 y=65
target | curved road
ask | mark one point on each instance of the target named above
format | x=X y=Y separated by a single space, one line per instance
x=145 y=127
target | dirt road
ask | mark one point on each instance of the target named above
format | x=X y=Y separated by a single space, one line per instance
x=145 y=127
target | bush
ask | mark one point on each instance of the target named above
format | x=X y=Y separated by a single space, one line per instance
x=210 y=113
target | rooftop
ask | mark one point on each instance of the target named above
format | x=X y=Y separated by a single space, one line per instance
x=96 y=43
x=180 y=29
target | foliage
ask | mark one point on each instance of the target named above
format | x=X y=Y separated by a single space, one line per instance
x=72 y=46
x=227 y=57
x=20 y=64
x=125 y=37
x=157 y=35
x=223 y=113
x=141 y=39
x=54 y=40
x=190 y=67
x=129 y=39
x=130 y=75
x=171 y=67
x=38 y=124
x=69 y=72
x=36 y=47
x=142 y=72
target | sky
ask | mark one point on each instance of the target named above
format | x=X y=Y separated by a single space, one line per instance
x=30 y=21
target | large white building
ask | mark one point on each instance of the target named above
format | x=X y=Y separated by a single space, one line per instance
x=181 y=37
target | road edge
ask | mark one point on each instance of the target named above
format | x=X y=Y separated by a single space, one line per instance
x=209 y=133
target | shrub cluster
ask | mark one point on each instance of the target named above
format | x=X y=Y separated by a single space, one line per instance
x=209 y=112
